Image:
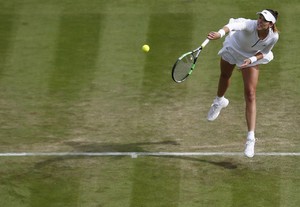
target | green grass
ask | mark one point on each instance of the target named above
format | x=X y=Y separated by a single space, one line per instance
x=73 y=78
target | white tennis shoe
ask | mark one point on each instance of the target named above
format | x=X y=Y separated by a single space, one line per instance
x=216 y=108
x=249 y=147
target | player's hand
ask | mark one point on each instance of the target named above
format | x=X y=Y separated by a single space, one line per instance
x=246 y=62
x=214 y=35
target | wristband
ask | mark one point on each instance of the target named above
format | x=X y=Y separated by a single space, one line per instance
x=253 y=59
x=222 y=32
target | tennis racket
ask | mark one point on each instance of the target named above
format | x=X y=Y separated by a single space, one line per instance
x=186 y=63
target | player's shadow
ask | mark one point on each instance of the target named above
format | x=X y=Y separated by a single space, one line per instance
x=97 y=147
x=224 y=164
x=130 y=147
x=138 y=147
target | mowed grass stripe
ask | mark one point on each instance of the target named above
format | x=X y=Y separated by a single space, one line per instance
x=113 y=103
x=287 y=96
x=159 y=182
x=68 y=84
x=76 y=54
x=8 y=19
x=161 y=100
x=26 y=70
x=72 y=73
x=109 y=116
x=7 y=22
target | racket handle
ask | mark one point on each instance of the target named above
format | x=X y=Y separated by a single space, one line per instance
x=204 y=43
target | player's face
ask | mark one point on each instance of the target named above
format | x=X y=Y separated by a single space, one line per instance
x=263 y=24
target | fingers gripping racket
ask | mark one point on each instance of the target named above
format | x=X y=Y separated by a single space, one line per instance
x=186 y=63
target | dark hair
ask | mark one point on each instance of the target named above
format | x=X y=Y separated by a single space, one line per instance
x=275 y=14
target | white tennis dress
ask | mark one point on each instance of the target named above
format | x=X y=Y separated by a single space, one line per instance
x=243 y=42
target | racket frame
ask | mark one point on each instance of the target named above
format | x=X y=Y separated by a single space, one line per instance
x=197 y=53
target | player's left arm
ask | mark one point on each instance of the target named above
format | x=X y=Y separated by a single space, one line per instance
x=252 y=59
x=262 y=53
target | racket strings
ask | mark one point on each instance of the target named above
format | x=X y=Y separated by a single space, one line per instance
x=183 y=67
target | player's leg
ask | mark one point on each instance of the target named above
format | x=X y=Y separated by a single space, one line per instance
x=220 y=101
x=224 y=79
x=250 y=78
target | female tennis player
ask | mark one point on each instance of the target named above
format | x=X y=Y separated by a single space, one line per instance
x=248 y=45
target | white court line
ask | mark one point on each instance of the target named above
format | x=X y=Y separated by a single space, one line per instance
x=136 y=154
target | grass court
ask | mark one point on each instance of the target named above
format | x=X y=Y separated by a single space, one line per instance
x=73 y=78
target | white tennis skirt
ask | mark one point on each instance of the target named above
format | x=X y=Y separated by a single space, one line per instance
x=234 y=58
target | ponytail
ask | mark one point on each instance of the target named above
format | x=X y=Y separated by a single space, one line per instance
x=274 y=28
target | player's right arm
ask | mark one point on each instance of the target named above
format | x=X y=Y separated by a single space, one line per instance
x=233 y=25
x=217 y=35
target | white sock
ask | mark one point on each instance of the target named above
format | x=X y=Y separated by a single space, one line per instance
x=251 y=135
x=220 y=98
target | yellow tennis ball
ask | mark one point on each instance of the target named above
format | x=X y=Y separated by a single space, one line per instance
x=146 y=48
